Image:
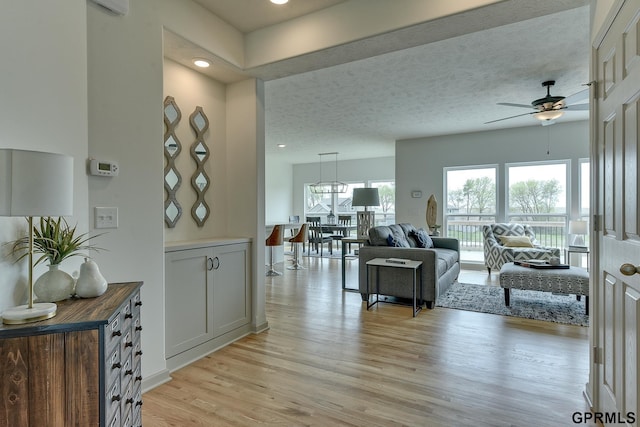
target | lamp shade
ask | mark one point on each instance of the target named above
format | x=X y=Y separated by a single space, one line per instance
x=35 y=183
x=578 y=227
x=365 y=197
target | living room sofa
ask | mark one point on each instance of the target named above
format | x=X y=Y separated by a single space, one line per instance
x=440 y=263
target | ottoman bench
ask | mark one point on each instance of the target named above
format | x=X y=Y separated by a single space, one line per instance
x=567 y=281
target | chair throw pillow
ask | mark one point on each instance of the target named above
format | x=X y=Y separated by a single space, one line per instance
x=516 y=241
x=422 y=238
x=397 y=239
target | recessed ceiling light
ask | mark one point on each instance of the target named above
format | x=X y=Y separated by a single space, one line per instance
x=200 y=62
x=279 y=1
x=282 y=145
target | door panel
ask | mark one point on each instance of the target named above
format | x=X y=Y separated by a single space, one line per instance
x=617 y=306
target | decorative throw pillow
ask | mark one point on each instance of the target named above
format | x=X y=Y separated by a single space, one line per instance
x=422 y=238
x=397 y=239
x=516 y=241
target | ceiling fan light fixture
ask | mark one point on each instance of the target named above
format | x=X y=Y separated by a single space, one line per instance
x=548 y=115
x=279 y=1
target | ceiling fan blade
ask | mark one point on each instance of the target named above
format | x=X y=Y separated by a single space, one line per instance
x=577 y=107
x=511 y=117
x=509 y=104
x=577 y=97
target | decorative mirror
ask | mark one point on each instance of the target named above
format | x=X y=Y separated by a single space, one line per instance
x=200 y=153
x=172 y=147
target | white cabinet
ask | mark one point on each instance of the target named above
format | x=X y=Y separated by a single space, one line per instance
x=207 y=297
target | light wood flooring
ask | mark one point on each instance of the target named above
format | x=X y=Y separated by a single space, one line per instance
x=326 y=361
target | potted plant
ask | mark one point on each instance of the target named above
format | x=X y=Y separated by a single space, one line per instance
x=56 y=241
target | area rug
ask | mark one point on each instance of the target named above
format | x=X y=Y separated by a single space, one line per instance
x=527 y=304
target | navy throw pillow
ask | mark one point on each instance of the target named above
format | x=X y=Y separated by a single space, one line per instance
x=397 y=240
x=422 y=238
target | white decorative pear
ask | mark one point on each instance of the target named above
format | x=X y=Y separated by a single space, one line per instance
x=90 y=282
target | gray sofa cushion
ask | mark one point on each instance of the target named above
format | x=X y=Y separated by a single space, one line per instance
x=379 y=236
x=397 y=237
x=448 y=256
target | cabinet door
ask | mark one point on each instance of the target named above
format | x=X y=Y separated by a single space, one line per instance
x=231 y=297
x=188 y=300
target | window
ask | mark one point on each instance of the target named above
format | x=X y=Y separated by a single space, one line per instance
x=585 y=179
x=386 y=212
x=537 y=195
x=471 y=202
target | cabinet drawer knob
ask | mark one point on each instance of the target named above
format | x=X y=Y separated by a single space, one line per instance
x=139 y=403
x=129 y=401
x=128 y=316
x=138 y=378
x=138 y=303
x=116 y=366
x=116 y=334
x=216 y=263
x=138 y=328
x=116 y=398
x=139 y=353
x=128 y=344
x=129 y=372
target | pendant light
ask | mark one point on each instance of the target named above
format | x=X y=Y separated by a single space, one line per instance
x=329 y=187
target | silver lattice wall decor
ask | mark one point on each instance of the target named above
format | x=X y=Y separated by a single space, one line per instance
x=172 y=147
x=200 y=153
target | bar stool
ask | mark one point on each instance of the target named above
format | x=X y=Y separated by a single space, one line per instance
x=298 y=240
x=276 y=238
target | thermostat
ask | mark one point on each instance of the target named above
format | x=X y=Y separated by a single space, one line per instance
x=103 y=168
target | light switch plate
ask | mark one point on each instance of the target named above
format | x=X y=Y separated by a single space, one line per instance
x=106 y=217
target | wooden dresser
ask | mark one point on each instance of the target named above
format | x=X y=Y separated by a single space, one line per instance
x=80 y=368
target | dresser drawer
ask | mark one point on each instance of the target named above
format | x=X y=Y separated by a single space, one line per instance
x=113 y=332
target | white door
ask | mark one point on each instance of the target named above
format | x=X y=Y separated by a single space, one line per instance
x=616 y=155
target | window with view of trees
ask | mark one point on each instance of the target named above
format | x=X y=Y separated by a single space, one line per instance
x=471 y=203
x=340 y=203
x=537 y=195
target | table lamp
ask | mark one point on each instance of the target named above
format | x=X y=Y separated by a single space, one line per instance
x=365 y=219
x=579 y=229
x=34 y=183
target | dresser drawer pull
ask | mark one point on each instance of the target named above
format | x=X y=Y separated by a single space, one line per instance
x=138 y=328
x=138 y=303
x=139 y=353
x=128 y=316
x=129 y=401
x=116 y=398
x=128 y=344
x=139 y=403
x=138 y=378
x=116 y=366
x=129 y=372
x=116 y=333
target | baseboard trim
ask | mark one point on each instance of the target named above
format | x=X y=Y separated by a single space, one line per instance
x=196 y=353
x=155 y=380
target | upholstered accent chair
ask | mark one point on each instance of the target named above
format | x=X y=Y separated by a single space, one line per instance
x=508 y=242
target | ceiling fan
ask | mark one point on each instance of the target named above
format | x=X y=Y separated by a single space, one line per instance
x=550 y=107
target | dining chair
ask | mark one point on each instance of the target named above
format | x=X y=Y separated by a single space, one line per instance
x=297 y=241
x=295 y=219
x=276 y=238
x=316 y=237
x=345 y=221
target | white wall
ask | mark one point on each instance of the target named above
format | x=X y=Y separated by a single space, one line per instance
x=278 y=191
x=43 y=108
x=191 y=89
x=420 y=162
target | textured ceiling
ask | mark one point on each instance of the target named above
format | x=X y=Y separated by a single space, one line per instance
x=446 y=83
x=452 y=86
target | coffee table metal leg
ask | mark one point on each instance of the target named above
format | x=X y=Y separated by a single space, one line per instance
x=507 y=294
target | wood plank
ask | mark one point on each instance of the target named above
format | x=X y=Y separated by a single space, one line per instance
x=14 y=387
x=47 y=386
x=327 y=361
x=83 y=378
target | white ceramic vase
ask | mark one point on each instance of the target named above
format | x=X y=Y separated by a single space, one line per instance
x=90 y=282
x=54 y=285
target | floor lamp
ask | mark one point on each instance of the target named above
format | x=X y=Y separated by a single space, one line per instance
x=34 y=183
x=366 y=219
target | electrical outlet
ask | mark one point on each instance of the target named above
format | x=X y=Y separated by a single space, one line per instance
x=106 y=217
